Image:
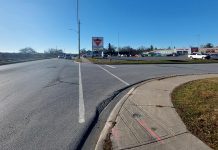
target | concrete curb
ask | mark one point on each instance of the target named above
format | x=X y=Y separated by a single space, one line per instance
x=81 y=140
x=111 y=119
x=113 y=115
x=110 y=123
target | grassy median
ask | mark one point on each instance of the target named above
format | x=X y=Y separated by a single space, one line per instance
x=120 y=62
x=197 y=104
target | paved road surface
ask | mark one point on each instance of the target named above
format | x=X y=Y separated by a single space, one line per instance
x=41 y=102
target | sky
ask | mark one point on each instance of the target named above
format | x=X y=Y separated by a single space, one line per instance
x=44 y=24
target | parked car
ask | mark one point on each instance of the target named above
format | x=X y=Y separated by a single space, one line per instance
x=173 y=54
x=213 y=56
x=60 y=56
x=198 y=56
x=144 y=54
x=67 y=56
x=157 y=54
x=105 y=56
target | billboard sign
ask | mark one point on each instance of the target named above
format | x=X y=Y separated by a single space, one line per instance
x=97 y=43
x=194 y=49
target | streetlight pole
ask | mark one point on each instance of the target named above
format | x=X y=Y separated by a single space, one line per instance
x=78 y=23
x=118 y=46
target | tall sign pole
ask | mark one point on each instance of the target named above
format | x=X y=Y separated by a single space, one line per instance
x=78 y=23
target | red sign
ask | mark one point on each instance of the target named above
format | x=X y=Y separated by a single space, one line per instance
x=97 y=41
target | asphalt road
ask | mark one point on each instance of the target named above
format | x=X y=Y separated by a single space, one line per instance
x=48 y=104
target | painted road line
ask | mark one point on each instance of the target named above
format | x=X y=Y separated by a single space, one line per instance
x=114 y=75
x=81 y=100
x=110 y=66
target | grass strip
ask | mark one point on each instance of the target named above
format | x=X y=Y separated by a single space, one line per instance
x=120 y=62
x=197 y=104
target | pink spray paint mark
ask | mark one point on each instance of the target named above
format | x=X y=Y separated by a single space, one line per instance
x=144 y=125
x=116 y=134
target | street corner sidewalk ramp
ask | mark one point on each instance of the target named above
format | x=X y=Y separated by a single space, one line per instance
x=146 y=119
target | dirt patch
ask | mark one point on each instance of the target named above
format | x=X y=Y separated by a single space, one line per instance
x=107 y=142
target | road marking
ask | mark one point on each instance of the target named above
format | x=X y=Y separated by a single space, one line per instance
x=81 y=100
x=114 y=75
x=110 y=66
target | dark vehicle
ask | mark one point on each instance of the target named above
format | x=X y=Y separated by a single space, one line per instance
x=173 y=54
x=105 y=55
x=60 y=56
x=144 y=54
x=67 y=56
x=96 y=53
x=207 y=57
x=150 y=54
x=157 y=55
x=214 y=56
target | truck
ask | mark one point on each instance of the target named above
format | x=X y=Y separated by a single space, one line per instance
x=198 y=56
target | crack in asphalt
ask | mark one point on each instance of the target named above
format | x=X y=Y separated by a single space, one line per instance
x=6 y=97
x=58 y=81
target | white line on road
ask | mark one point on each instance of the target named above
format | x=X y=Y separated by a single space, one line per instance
x=114 y=75
x=81 y=100
x=111 y=66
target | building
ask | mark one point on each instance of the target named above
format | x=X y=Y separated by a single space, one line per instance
x=183 y=51
x=164 y=51
x=209 y=50
x=179 y=51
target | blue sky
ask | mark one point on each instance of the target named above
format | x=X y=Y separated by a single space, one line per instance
x=43 y=24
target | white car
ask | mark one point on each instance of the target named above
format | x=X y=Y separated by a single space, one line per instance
x=197 y=56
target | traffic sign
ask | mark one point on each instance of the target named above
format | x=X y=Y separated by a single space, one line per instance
x=97 y=43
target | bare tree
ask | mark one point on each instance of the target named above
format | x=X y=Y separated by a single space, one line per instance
x=208 y=45
x=27 y=50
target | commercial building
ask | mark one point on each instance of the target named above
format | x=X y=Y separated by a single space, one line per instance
x=209 y=50
x=179 y=51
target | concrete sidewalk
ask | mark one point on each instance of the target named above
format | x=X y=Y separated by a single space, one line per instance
x=145 y=119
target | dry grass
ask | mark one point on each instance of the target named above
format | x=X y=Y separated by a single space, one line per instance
x=121 y=62
x=197 y=104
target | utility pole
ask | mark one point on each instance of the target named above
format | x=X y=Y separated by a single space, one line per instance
x=78 y=23
x=198 y=40
x=118 y=46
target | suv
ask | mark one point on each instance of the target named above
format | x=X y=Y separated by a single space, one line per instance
x=67 y=56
